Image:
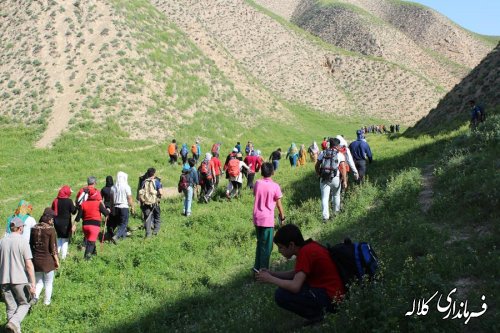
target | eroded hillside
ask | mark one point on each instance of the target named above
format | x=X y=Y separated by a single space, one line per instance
x=292 y=64
x=68 y=63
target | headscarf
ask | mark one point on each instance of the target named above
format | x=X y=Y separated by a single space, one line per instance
x=23 y=211
x=314 y=147
x=109 y=181
x=64 y=193
x=293 y=149
x=94 y=195
x=47 y=215
x=208 y=157
x=343 y=143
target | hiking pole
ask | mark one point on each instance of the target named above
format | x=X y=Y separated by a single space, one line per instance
x=104 y=231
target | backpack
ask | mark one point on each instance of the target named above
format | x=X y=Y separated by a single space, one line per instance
x=183 y=182
x=194 y=149
x=215 y=148
x=83 y=197
x=148 y=195
x=204 y=170
x=345 y=166
x=171 y=149
x=353 y=261
x=233 y=167
x=329 y=165
x=184 y=151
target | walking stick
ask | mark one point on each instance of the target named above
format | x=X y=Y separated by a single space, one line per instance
x=104 y=231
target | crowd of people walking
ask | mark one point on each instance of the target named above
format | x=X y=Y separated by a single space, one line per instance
x=31 y=252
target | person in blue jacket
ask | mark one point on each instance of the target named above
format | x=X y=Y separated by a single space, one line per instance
x=361 y=152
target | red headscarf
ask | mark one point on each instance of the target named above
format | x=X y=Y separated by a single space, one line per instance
x=64 y=192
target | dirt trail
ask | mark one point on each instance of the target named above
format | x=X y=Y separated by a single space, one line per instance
x=425 y=196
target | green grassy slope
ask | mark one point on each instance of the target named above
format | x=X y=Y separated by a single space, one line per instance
x=195 y=276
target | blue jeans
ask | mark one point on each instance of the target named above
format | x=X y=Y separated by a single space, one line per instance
x=293 y=160
x=121 y=216
x=276 y=164
x=309 y=303
x=188 y=200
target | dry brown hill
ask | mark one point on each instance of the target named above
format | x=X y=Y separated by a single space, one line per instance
x=162 y=63
x=405 y=33
x=481 y=85
x=292 y=64
x=72 y=62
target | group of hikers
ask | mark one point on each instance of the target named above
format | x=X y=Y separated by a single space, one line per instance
x=31 y=252
x=381 y=129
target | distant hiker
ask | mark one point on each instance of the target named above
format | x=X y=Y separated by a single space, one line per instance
x=173 y=152
x=349 y=166
x=90 y=212
x=215 y=148
x=248 y=148
x=23 y=211
x=18 y=275
x=217 y=166
x=123 y=204
x=397 y=128
x=267 y=197
x=206 y=174
x=111 y=221
x=254 y=163
x=275 y=158
x=45 y=257
x=475 y=114
x=324 y=144
x=313 y=151
x=313 y=286
x=238 y=147
x=63 y=207
x=302 y=155
x=184 y=153
x=149 y=194
x=293 y=155
x=360 y=151
x=187 y=184
x=327 y=168
x=196 y=150
x=234 y=168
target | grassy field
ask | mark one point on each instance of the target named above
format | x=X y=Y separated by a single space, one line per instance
x=195 y=276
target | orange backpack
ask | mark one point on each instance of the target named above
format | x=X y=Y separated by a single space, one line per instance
x=194 y=149
x=233 y=167
x=171 y=149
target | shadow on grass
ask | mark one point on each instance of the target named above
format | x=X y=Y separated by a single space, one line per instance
x=390 y=220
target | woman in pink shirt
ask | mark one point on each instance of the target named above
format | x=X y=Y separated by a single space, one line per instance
x=267 y=197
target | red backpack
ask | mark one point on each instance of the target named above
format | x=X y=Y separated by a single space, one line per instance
x=183 y=182
x=205 y=170
x=233 y=167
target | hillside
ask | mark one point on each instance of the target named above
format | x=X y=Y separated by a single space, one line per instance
x=293 y=64
x=453 y=110
x=68 y=65
x=404 y=33
x=65 y=64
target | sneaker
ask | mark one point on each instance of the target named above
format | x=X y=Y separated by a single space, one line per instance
x=325 y=219
x=114 y=239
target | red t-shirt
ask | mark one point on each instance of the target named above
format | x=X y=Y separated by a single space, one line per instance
x=216 y=164
x=315 y=261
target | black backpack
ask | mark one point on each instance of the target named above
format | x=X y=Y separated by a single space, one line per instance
x=354 y=261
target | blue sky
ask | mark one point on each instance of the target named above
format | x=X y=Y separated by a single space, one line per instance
x=481 y=16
